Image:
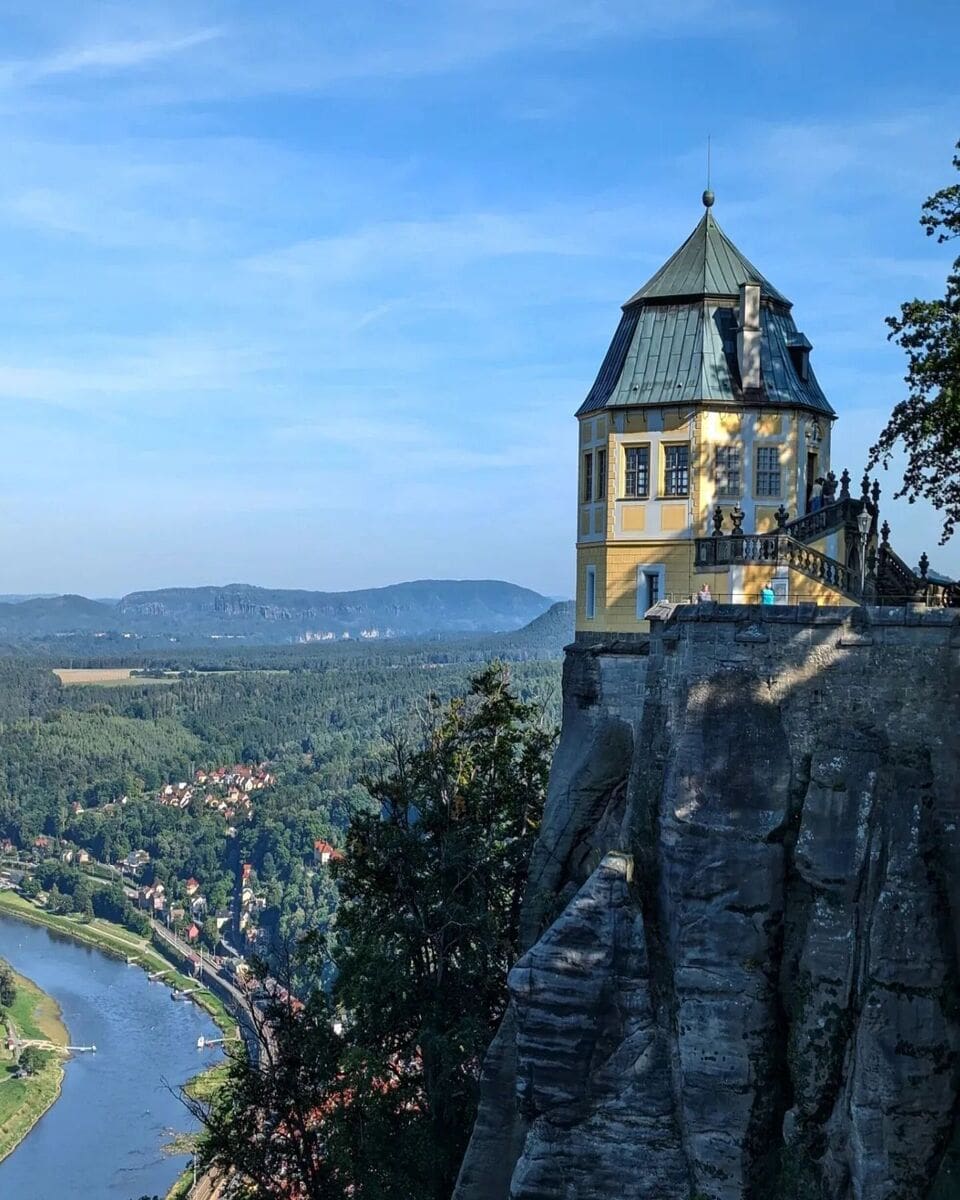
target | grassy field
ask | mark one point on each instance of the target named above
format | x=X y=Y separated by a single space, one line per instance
x=36 y=1014
x=205 y=1086
x=24 y=1101
x=104 y=676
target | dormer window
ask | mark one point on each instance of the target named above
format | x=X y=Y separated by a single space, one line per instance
x=799 y=348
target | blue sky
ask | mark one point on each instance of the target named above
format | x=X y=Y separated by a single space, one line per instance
x=306 y=294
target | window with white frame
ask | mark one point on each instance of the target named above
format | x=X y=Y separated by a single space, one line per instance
x=637 y=473
x=728 y=473
x=650 y=587
x=587 y=477
x=768 y=471
x=781 y=585
x=590 y=594
x=676 y=470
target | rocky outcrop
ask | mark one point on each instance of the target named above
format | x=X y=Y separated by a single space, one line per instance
x=742 y=921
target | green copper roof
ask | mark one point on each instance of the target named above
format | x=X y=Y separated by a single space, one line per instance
x=687 y=354
x=677 y=338
x=707 y=264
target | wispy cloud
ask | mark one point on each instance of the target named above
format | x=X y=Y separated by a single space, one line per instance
x=250 y=253
x=322 y=48
x=102 y=57
x=450 y=242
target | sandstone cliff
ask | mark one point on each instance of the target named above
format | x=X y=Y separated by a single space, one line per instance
x=742 y=978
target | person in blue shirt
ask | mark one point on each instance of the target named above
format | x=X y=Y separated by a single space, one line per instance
x=767 y=594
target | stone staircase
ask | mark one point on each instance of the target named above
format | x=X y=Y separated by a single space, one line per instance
x=887 y=580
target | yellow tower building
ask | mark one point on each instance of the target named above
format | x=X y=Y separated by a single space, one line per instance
x=705 y=452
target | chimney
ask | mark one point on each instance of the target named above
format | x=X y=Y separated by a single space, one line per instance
x=748 y=337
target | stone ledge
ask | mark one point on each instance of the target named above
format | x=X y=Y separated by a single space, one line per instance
x=813 y=614
x=857 y=623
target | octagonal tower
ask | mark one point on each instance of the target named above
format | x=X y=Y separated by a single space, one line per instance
x=705 y=401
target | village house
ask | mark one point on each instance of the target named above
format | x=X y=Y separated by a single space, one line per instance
x=152 y=896
x=135 y=861
x=324 y=853
x=191 y=887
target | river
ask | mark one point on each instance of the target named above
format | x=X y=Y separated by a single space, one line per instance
x=103 y=1138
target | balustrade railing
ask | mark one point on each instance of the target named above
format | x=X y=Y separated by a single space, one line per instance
x=899 y=584
x=824 y=520
x=775 y=549
x=896 y=580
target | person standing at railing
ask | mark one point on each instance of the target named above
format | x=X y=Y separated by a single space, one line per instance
x=767 y=594
x=704 y=596
x=816 y=494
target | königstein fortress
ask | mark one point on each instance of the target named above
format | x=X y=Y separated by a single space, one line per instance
x=740 y=976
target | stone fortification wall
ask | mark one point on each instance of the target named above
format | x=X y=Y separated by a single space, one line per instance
x=742 y=974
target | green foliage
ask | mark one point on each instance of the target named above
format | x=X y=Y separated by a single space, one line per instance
x=32 y=1059
x=27 y=689
x=294 y=1090
x=927 y=422
x=427 y=928
x=321 y=729
x=58 y=903
x=8 y=986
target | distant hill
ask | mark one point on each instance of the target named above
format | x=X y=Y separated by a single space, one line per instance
x=258 y=615
x=49 y=615
x=16 y=597
x=546 y=635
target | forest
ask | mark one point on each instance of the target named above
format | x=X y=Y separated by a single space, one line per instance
x=85 y=763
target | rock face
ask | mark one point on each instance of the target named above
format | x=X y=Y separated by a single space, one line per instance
x=742 y=979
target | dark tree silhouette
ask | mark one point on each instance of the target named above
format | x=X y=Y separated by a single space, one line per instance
x=927 y=422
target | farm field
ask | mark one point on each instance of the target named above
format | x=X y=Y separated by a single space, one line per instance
x=105 y=676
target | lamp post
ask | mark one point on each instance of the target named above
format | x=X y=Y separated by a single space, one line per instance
x=863 y=525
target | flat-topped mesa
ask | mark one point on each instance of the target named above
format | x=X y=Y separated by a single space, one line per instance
x=706 y=400
x=741 y=950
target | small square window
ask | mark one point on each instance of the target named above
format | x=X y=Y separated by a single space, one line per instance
x=768 y=471
x=676 y=473
x=637 y=475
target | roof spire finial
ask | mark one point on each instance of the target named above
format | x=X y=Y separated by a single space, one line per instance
x=708 y=196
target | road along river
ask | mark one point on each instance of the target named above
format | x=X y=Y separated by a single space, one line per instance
x=103 y=1139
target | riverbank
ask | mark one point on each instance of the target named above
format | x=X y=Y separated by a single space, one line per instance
x=121 y=943
x=34 y=1016
x=118 y=942
x=118 y=1109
